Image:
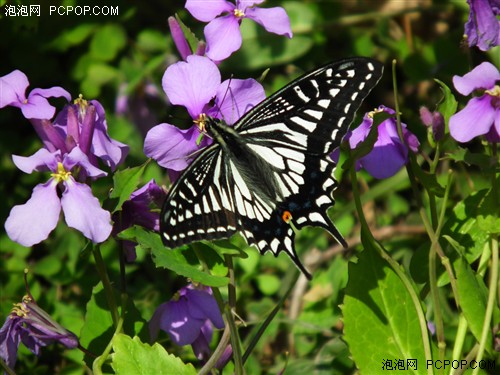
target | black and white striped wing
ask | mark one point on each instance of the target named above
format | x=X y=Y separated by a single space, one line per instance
x=314 y=112
x=292 y=133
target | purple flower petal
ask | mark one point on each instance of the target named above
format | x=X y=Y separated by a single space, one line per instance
x=483 y=76
x=9 y=341
x=83 y=212
x=275 y=20
x=77 y=157
x=192 y=84
x=203 y=306
x=201 y=346
x=38 y=107
x=53 y=92
x=171 y=147
x=13 y=89
x=483 y=27
x=242 y=95
x=223 y=37
x=32 y=222
x=244 y=4
x=388 y=154
x=474 y=120
x=40 y=161
x=206 y=11
x=182 y=328
x=110 y=151
x=179 y=38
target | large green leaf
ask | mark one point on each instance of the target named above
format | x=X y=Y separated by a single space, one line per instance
x=131 y=356
x=380 y=319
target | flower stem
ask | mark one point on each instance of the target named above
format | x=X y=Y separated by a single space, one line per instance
x=99 y=361
x=491 y=301
x=229 y=313
x=108 y=289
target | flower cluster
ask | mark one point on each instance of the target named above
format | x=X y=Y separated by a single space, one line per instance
x=74 y=142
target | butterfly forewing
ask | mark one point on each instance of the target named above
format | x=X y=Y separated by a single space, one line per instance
x=314 y=112
x=274 y=168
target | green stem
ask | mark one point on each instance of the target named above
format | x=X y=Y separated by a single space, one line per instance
x=438 y=317
x=396 y=268
x=108 y=289
x=221 y=347
x=459 y=340
x=99 y=361
x=491 y=301
x=235 y=338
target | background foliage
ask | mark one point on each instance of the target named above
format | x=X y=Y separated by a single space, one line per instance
x=123 y=57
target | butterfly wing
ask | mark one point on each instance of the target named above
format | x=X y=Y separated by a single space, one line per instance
x=313 y=113
x=292 y=132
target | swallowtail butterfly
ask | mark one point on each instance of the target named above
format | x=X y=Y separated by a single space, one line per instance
x=272 y=169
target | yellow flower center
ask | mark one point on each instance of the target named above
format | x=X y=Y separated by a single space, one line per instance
x=61 y=174
x=82 y=105
x=21 y=309
x=495 y=91
x=239 y=13
x=201 y=122
x=374 y=112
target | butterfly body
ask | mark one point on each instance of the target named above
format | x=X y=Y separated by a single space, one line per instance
x=272 y=169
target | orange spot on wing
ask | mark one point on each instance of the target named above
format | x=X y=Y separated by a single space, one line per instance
x=287 y=216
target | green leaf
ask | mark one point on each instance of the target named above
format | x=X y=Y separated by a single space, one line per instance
x=151 y=40
x=448 y=106
x=192 y=40
x=98 y=328
x=268 y=284
x=125 y=182
x=429 y=180
x=380 y=319
x=462 y=225
x=484 y=161
x=98 y=74
x=107 y=42
x=472 y=294
x=175 y=260
x=72 y=37
x=131 y=356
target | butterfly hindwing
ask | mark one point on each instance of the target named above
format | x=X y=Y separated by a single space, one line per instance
x=273 y=168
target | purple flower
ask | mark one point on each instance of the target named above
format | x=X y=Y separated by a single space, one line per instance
x=137 y=211
x=223 y=34
x=389 y=153
x=29 y=324
x=32 y=222
x=481 y=115
x=195 y=84
x=188 y=319
x=83 y=124
x=36 y=106
x=483 y=26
